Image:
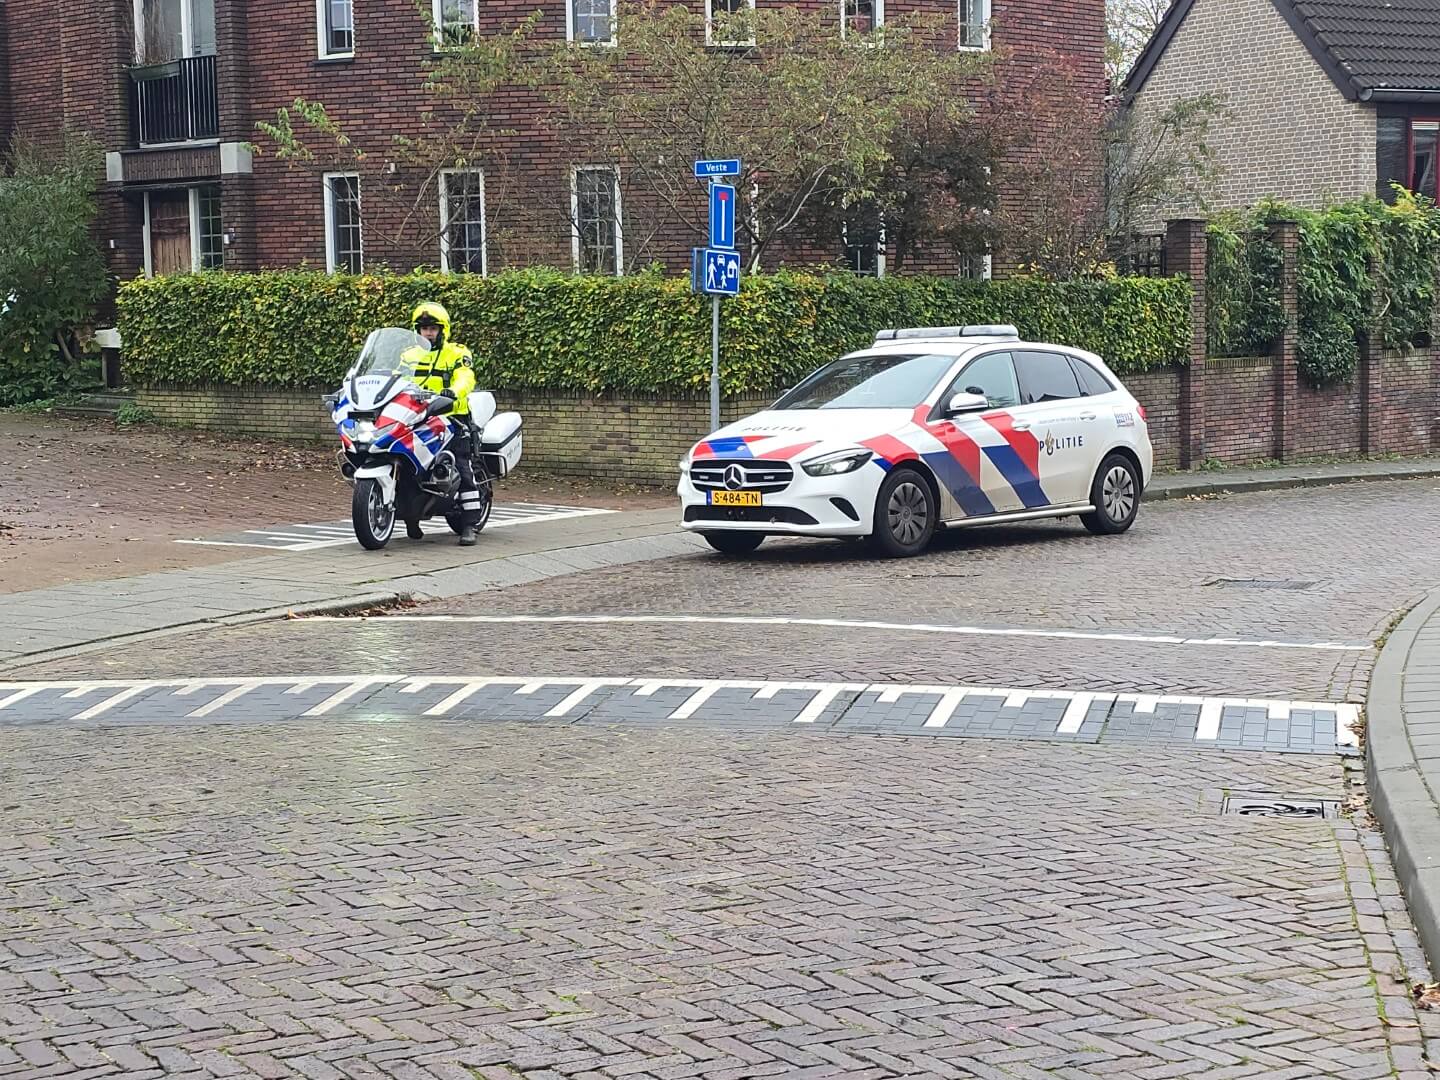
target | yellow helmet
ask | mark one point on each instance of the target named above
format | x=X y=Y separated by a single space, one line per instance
x=429 y=311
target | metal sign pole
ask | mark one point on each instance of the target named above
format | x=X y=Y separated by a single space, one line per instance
x=715 y=363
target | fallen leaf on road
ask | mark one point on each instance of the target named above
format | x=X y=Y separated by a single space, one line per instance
x=1427 y=995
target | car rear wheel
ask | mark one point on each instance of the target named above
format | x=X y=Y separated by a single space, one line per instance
x=1115 y=495
x=734 y=542
x=905 y=515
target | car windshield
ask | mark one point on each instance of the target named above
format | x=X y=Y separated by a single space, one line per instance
x=391 y=351
x=872 y=381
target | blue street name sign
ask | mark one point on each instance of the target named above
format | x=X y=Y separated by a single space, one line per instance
x=706 y=169
x=722 y=216
x=715 y=273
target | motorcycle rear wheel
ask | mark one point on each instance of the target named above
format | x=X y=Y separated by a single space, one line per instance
x=456 y=520
x=374 y=522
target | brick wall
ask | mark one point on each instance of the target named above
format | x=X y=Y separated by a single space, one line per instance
x=632 y=439
x=1408 y=397
x=1159 y=392
x=1292 y=133
x=1240 y=409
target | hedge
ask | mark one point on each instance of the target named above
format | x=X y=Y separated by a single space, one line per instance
x=542 y=329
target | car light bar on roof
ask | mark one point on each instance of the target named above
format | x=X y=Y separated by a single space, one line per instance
x=1000 y=330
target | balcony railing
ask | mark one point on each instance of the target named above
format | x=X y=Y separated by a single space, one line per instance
x=174 y=102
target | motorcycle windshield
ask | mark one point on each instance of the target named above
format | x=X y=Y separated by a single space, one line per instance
x=387 y=363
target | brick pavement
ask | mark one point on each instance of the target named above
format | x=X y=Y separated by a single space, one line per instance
x=438 y=901
x=1054 y=576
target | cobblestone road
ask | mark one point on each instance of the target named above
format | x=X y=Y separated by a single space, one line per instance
x=453 y=898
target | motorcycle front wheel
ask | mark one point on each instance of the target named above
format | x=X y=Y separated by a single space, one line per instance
x=374 y=521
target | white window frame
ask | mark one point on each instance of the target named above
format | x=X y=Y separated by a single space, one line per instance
x=331 y=254
x=322 y=32
x=710 y=27
x=187 y=31
x=880 y=249
x=614 y=171
x=879 y=17
x=987 y=267
x=437 y=14
x=611 y=42
x=445 y=175
x=985 y=13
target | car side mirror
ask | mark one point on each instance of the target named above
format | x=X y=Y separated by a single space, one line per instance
x=967 y=401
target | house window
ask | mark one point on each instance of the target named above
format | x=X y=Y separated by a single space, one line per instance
x=344 y=251
x=595 y=200
x=456 y=21
x=1424 y=143
x=462 y=221
x=864 y=238
x=337 y=27
x=861 y=16
x=168 y=30
x=209 y=242
x=975 y=267
x=974 y=24
x=591 y=22
x=727 y=22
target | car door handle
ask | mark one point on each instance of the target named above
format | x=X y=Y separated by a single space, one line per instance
x=1087 y=416
x=1020 y=425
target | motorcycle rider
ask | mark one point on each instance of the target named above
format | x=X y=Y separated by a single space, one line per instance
x=447 y=369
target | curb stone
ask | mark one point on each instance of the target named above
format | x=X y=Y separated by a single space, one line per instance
x=1402 y=800
x=1180 y=485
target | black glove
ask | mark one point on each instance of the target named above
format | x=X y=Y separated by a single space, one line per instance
x=438 y=405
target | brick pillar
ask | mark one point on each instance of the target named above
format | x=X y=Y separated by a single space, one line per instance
x=1186 y=254
x=237 y=192
x=1286 y=235
x=7 y=107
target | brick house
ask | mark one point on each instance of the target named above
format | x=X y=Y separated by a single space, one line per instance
x=173 y=90
x=1330 y=99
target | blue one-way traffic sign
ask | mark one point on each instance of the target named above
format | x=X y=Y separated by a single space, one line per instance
x=717 y=273
x=722 y=216
x=727 y=167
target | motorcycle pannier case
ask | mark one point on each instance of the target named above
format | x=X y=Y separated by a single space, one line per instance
x=500 y=444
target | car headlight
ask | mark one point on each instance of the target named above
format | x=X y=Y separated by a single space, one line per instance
x=836 y=464
x=364 y=432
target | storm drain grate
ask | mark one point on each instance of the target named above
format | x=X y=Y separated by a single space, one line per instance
x=1262 y=583
x=1270 y=804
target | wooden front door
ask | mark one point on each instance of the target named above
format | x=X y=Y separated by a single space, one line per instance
x=170 y=251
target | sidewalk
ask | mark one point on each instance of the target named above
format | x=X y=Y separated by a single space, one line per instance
x=44 y=623
x=48 y=622
x=1403 y=760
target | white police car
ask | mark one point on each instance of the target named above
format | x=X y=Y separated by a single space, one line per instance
x=928 y=427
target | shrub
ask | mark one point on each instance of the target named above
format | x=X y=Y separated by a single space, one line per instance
x=541 y=329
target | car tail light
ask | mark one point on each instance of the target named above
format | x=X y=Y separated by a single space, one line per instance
x=1141 y=410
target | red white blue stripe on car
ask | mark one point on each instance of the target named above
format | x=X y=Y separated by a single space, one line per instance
x=953 y=455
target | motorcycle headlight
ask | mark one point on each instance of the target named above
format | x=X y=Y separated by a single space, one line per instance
x=363 y=432
x=837 y=464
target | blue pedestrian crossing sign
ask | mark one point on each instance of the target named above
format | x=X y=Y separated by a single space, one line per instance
x=722 y=215
x=716 y=272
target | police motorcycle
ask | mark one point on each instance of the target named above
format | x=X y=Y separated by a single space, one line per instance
x=398 y=452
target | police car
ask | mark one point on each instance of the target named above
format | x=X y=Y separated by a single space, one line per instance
x=928 y=427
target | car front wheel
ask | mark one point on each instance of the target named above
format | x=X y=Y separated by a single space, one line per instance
x=1115 y=495
x=905 y=515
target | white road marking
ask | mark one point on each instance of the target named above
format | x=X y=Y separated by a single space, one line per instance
x=822 y=695
x=344 y=695
x=110 y=702
x=220 y=702
x=328 y=534
x=848 y=624
x=580 y=693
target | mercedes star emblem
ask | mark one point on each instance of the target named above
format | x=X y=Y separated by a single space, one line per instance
x=734 y=478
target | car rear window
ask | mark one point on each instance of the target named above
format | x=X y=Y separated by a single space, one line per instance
x=1091 y=381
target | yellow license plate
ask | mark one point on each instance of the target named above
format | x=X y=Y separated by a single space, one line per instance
x=735 y=498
